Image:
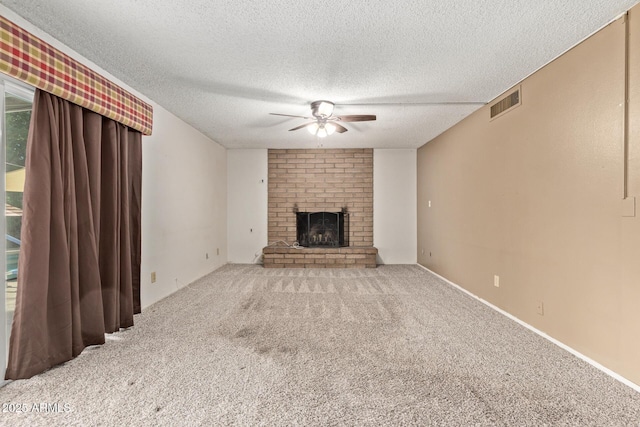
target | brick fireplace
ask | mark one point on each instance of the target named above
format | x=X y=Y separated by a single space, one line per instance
x=320 y=181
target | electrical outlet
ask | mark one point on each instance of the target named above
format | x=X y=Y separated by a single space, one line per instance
x=206 y=255
x=422 y=251
x=153 y=277
x=496 y=281
x=540 y=308
x=429 y=203
x=217 y=251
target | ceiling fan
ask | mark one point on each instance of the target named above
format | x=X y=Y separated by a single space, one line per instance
x=324 y=122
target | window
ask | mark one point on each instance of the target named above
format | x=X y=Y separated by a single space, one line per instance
x=16 y=101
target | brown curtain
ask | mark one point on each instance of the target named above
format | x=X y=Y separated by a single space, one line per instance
x=79 y=266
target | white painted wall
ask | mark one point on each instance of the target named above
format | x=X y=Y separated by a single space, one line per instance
x=184 y=194
x=247 y=172
x=184 y=206
x=395 y=205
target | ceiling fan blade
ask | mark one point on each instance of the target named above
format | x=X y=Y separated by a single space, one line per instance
x=357 y=118
x=289 y=115
x=339 y=128
x=302 y=126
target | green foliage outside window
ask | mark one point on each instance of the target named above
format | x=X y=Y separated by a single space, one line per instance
x=17 y=128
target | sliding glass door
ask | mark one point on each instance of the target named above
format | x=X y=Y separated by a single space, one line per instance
x=16 y=101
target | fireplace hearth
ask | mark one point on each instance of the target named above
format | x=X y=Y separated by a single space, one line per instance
x=322 y=229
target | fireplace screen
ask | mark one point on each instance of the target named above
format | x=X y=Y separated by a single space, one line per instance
x=318 y=229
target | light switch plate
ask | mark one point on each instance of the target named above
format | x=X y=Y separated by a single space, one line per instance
x=629 y=207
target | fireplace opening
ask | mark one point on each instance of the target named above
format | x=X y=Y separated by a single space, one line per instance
x=321 y=229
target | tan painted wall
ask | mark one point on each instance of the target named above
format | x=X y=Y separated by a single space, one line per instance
x=535 y=196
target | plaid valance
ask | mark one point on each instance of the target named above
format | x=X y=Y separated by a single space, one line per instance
x=33 y=61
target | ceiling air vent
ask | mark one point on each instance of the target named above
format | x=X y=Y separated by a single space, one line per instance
x=506 y=103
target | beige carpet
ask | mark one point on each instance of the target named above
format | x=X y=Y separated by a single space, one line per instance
x=387 y=346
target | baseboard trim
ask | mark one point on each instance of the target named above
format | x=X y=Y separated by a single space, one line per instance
x=560 y=344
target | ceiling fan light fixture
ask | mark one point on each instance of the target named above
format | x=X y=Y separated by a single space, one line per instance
x=313 y=128
x=322 y=133
x=330 y=128
x=321 y=130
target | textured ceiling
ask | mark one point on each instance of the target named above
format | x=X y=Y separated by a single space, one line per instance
x=223 y=65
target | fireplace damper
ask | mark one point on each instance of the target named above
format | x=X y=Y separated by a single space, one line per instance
x=321 y=229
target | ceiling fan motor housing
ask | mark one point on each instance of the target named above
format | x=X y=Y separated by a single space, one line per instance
x=322 y=109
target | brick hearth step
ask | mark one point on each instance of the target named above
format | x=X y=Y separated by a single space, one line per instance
x=344 y=257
